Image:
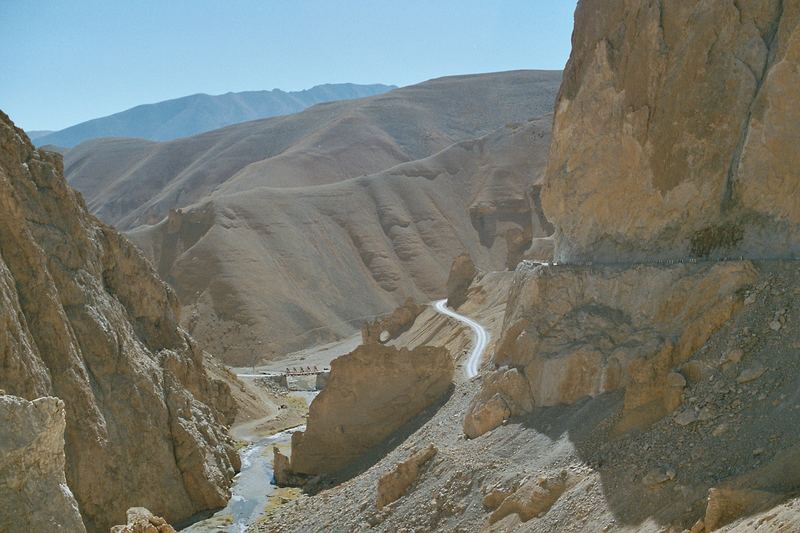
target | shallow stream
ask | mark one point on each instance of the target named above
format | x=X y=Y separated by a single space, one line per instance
x=252 y=486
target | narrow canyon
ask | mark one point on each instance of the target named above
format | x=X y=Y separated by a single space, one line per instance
x=518 y=301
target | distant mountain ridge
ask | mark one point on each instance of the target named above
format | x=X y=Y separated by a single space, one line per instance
x=129 y=182
x=198 y=113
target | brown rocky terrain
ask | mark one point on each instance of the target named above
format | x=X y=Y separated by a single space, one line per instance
x=568 y=468
x=653 y=386
x=676 y=132
x=462 y=273
x=129 y=182
x=372 y=393
x=141 y=520
x=33 y=490
x=268 y=271
x=86 y=319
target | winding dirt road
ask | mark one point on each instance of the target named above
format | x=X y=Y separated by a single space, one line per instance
x=479 y=341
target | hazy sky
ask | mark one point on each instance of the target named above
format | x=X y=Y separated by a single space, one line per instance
x=64 y=62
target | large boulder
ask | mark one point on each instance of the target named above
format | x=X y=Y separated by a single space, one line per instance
x=676 y=132
x=505 y=392
x=372 y=392
x=85 y=318
x=394 y=484
x=141 y=520
x=33 y=490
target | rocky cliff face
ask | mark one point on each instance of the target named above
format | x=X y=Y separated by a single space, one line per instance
x=85 y=318
x=462 y=272
x=573 y=332
x=676 y=132
x=33 y=491
x=673 y=139
x=372 y=392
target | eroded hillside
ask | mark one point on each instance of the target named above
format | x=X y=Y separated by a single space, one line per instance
x=266 y=271
x=129 y=182
x=85 y=318
x=647 y=380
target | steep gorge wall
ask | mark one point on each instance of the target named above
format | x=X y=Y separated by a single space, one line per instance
x=674 y=137
x=85 y=318
x=676 y=132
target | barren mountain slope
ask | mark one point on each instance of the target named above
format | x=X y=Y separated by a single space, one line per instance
x=324 y=144
x=85 y=318
x=625 y=393
x=563 y=468
x=197 y=113
x=270 y=270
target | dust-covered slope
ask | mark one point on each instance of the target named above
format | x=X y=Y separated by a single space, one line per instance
x=190 y=115
x=132 y=182
x=270 y=270
x=84 y=317
x=562 y=468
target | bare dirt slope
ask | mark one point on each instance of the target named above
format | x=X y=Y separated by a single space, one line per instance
x=563 y=468
x=268 y=271
x=128 y=182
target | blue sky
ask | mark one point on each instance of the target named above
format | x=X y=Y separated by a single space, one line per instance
x=64 y=62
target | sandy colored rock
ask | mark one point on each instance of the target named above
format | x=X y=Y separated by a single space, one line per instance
x=462 y=272
x=505 y=392
x=497 y=494
x=485 y=415
x=783 y=518
x=387 y=328
x=33 y=490
x=726 y=505
x=372 y=392
x=281 y=468
x=580 y=439
x=141 y=520
x=532 y=498
x=673 y=138
x=394 y=484
x=574 y=332
x=750 y=374
x=85 y=318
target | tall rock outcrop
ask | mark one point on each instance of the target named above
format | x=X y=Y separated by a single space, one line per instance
x=676 y=132
x=372 y=392
x=33 y=491
x=85 y=318
x=674 y=137
x=462 y=272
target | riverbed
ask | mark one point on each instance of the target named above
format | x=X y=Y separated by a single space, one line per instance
x=253 y=485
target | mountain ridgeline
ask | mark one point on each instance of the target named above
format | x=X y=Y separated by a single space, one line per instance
x=130 y=182
x=190 y=115
x=284 y=232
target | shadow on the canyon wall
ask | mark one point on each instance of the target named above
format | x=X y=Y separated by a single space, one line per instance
x=758 y=451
